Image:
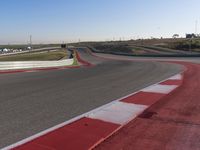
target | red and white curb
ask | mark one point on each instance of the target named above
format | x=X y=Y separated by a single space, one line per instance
x=88 y=130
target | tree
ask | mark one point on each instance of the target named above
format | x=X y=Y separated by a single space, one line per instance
x=175 y=36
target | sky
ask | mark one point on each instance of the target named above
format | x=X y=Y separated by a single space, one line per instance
x=55 y=21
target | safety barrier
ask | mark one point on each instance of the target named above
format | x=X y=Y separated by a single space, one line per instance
x=34 y=64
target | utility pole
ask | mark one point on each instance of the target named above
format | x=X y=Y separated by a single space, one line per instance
x=79 y=41
x=31 y=42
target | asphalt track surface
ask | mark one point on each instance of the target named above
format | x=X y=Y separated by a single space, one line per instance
x=35 y=101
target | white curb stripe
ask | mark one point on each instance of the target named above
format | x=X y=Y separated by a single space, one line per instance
x=176 y=77
x=158 y=88
x=118 y=113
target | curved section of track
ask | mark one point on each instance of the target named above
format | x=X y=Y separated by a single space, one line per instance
x=32 y=102
x=172 y=123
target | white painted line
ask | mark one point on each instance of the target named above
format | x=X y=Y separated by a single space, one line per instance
x=118 y=113
x=176 y=77
x=158 y=88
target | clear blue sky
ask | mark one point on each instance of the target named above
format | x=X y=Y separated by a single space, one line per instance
x=50 y=21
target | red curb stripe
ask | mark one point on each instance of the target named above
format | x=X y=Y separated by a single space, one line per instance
x=80 y=135
x=13 y=71
x=82 y=61
x=39 y=69
x=144 y=98
x=45 y=69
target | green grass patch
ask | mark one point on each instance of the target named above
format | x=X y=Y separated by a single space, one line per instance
x=45 y=56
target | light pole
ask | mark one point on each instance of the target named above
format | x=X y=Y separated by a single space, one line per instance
x=31 y=42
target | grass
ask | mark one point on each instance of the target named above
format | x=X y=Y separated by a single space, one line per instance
x=185 y=44
x=46 y=56
x=113 y=48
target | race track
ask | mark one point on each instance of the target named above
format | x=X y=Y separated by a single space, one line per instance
x=34 y=101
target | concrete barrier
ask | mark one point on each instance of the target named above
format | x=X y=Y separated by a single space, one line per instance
x=34 y=64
